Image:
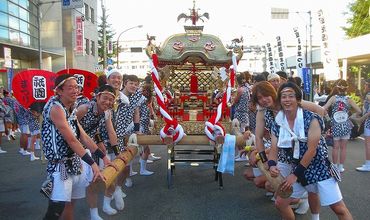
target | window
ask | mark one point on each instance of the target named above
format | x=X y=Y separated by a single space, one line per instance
x=87 y=46
x=23 y=14
x=134 y=67
x=93 y=48
x=87 y=17
x=4 y=33
x=4 y=5
x=14 y=36
x=24 y=39
x=92 y=15
x=13 y=10
x=136 y=49
x=24 y=3
x=3 y=19
x=23 y=26
x=13 y=22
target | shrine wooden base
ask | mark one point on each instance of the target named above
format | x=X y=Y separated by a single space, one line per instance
x=173 y=151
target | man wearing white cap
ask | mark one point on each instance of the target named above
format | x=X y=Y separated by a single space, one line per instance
x=274 y=80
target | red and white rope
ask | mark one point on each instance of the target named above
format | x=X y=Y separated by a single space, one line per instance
x=213 y=126
x=172 y=127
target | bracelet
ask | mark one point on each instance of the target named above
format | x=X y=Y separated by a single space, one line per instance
x=136 y=126
x=248 y=148
x=86 y=157
x=99 y=153
x=263 y=156
x=299 y=171
x=98 y=138
x=115 y=149
x=271 y=163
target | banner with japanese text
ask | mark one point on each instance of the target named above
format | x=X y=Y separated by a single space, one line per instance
x=270 y=59
x=79 y=44
x=85 y=79
x=328 y=57
x=300 y=58
x=32 y=86
x=282 y=66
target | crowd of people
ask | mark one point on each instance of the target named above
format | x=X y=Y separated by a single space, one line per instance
x=80 y=137
x=276 y=120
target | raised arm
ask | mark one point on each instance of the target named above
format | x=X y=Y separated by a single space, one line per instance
x=313 y=107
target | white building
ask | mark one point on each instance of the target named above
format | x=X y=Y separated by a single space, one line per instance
x=133 y=59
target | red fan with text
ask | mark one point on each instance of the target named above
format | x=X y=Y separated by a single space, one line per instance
x=32 y=86
x=87 y=80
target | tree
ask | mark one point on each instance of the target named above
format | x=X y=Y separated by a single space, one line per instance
x=109 y=35
x=359 y=21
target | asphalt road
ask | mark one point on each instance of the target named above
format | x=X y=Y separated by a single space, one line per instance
x=194 y=195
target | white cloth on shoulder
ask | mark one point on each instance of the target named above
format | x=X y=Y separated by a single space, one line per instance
x=124 y=98
x=286 y=135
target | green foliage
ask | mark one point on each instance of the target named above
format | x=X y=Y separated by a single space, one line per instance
x=109 y=35
x=359 y=21
x=356 y=99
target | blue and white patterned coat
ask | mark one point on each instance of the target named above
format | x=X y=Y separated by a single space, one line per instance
x=319 y=168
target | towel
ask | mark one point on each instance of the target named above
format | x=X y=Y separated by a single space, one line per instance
x=286 y=135
x=227 y=160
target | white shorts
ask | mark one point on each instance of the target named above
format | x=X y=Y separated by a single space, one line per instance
x=256 y=172
x=298 y=190
x=345 y=137
x=24 y=129
x=366 y=132
x=329 y=191
x=72 y=188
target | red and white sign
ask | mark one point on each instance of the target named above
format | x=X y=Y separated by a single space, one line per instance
x=87 y=80
x=33 y=86
x=7 y=57
x=79 y=49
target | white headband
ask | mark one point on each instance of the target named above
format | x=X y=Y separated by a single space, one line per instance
x=113 y=71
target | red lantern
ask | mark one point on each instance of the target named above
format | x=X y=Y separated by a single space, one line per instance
x=32 y=86
x=87 y=80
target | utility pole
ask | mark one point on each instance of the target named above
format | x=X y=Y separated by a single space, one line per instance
x=311 y=67
x=39 y=33
x=104 y=36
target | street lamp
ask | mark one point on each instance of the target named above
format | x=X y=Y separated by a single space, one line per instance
x=117 y=52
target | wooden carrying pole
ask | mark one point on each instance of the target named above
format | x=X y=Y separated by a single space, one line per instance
x=110 y=173
x=276 y=182
x=186 y=140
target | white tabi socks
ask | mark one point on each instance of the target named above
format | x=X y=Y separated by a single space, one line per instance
x=106 y=206
x=117 y=196
x=143 y=170
x=94 y=214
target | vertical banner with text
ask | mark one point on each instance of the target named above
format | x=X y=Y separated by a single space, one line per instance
x=300 y=58
x=329 y=59
x=281 y=66
x=7 y=57
x=79 y=49
x=270 y=57
x=307 y=80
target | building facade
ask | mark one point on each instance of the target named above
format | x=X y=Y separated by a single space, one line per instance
x=22 y=22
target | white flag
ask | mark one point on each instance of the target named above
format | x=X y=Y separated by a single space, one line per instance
x=328 y=57
x=300 y=60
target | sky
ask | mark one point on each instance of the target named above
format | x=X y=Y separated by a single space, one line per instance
x=228 y=19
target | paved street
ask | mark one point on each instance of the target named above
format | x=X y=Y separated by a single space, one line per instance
x=195 y=195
